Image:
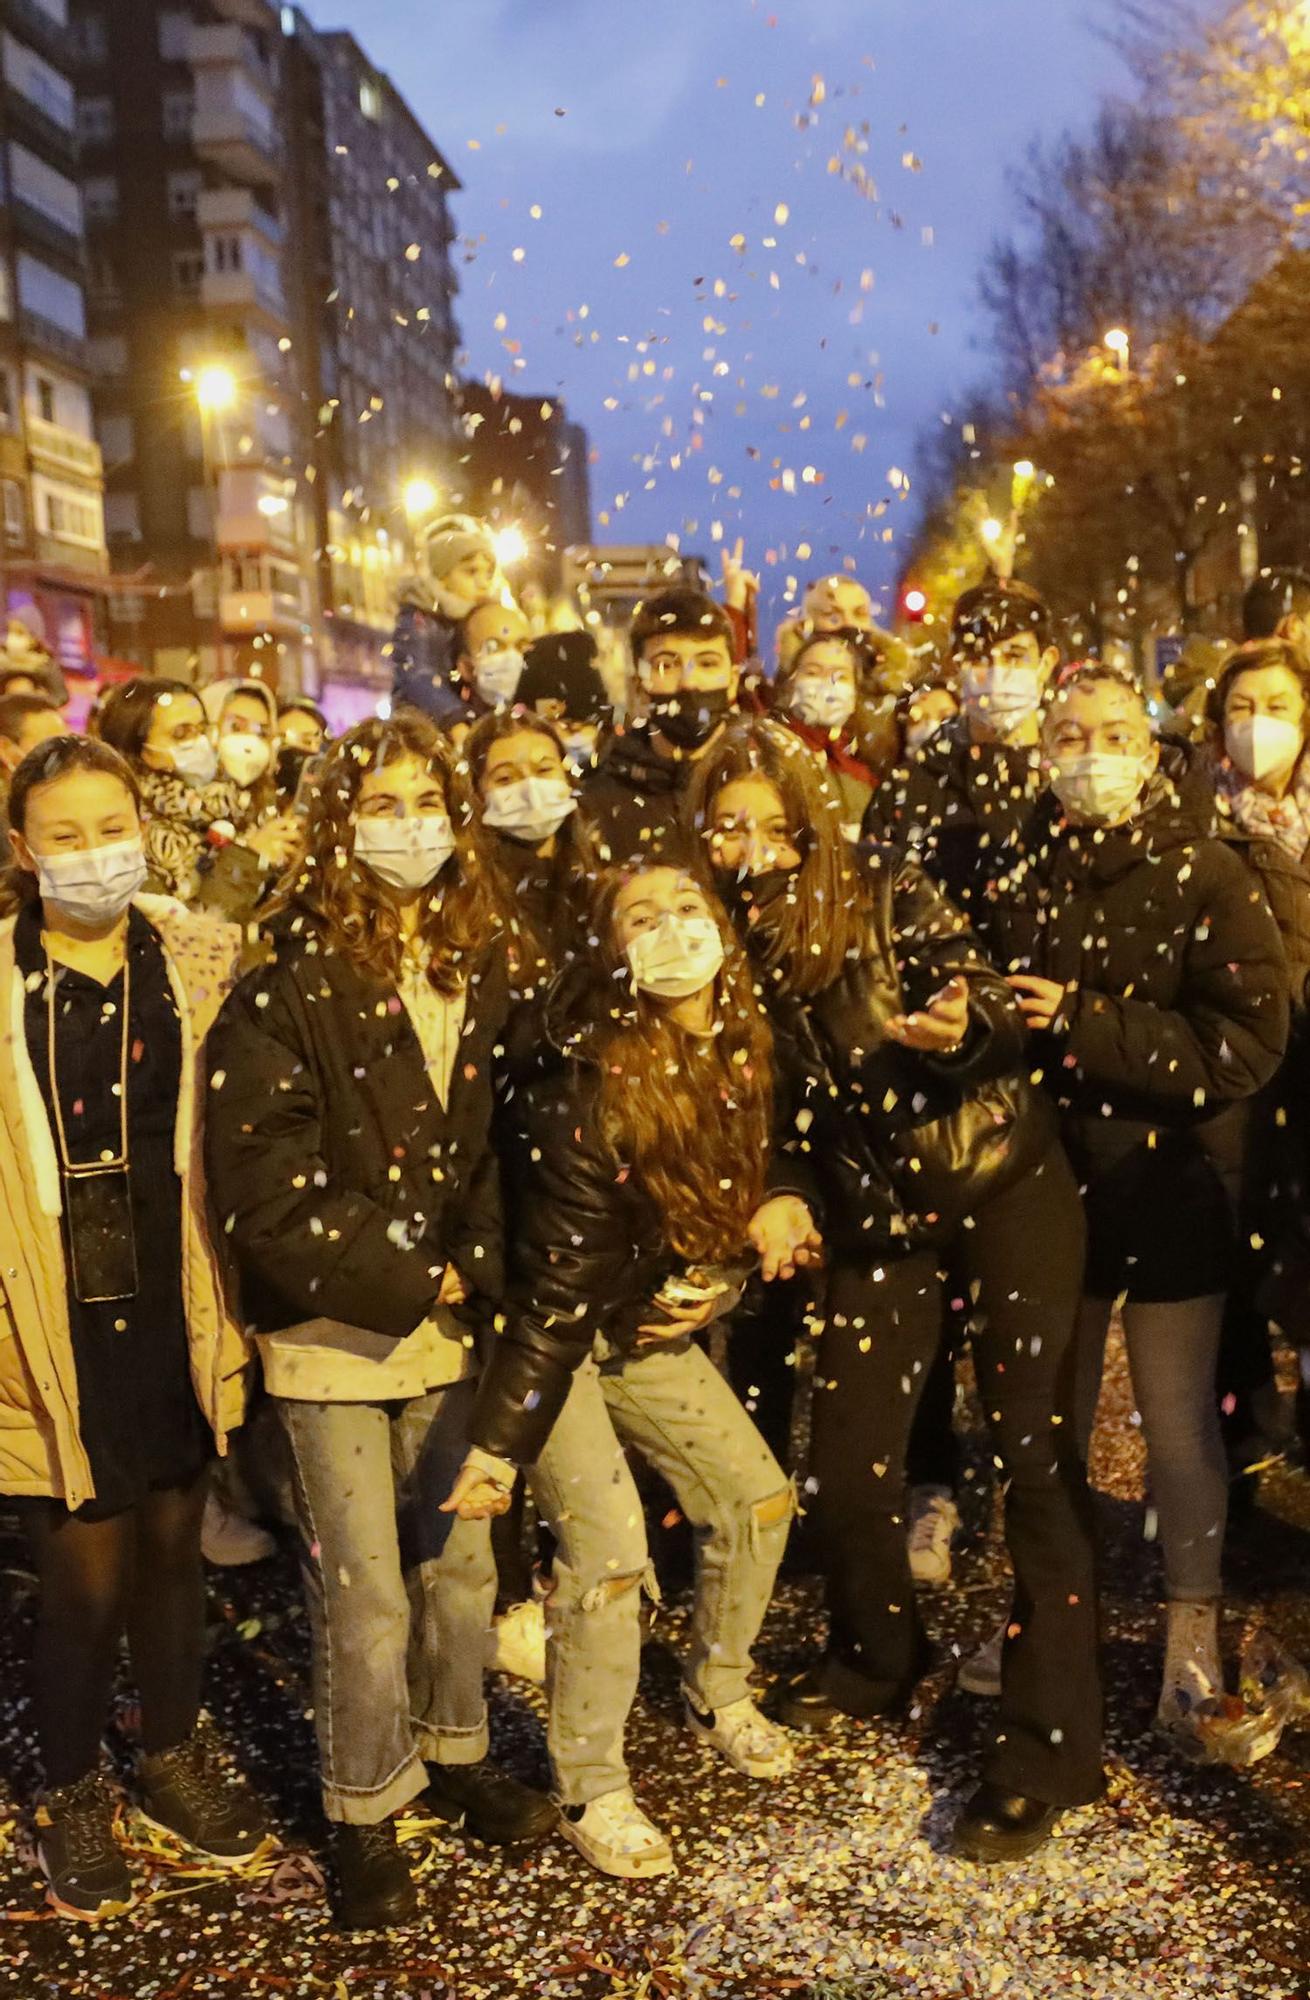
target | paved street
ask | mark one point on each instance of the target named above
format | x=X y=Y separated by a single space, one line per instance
x=834 y=1884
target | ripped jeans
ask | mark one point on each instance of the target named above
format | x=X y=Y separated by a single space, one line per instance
x=676 y=1410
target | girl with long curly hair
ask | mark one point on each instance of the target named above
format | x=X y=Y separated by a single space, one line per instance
x=352 y=1166
x=645 y=1185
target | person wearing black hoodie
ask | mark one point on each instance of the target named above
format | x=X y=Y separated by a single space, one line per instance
x=1152 y=978
x=930 y=1146
x=687 y=682
x=974 y=780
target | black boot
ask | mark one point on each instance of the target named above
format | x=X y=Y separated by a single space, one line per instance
x=1003 y=1826
x=489 y=1804
x=375 y=1889
x=79 y=1855
x=818 y=1699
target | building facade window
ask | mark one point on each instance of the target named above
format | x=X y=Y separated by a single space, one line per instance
x=95 y=120
x=51 y=295
x=183 y=187
x=100 y=198
x=174 y=35
x=177 y=111
x=188 y=270
x=50 y=193
x=41 y=85
x=15 y=510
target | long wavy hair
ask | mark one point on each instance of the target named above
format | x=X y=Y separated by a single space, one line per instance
x=689 y=1115
x=810 y=936
x=357 y=915
x=577 y=859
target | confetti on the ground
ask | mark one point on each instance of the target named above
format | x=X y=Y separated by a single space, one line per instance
x=835 y=1885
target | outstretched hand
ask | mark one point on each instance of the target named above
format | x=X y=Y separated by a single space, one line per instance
x=783 y=1232
x=940 y=1027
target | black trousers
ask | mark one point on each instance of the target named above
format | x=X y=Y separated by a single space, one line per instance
x=1022 y=1265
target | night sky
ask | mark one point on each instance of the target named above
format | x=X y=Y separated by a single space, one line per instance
x=650 y=137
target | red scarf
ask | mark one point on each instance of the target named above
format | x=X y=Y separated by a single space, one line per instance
x=841 y=756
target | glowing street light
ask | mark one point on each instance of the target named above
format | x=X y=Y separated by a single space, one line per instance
x=1025 y=471
x=992 y=531
x=511 y=545
x=420 y=498
x=1119 y=342
x=216 y=389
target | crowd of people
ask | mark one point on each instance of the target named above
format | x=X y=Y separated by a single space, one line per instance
x=445 y=1099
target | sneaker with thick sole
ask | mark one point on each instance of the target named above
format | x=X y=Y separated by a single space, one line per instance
x=375 y=1890
x=229 y=1540
x=489 y=1804
x=81 y=1860
x=934 y=1524
x=614 y=1835
x=183 y=1792
x=750 y=1742
x=516 y=1643
x=981 y=1672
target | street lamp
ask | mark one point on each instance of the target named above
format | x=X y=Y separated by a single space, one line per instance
x=992 y=530
x=511 y=545
x=216 y=389
x=1025 y=471
x=1119 y=342
x=420 y=498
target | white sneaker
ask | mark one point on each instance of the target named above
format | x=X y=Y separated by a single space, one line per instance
x=229 y=1541
x=750 y=1742
x=934 y=1524
x=981 y=1672
x=516 y=1642
x=614 y=1834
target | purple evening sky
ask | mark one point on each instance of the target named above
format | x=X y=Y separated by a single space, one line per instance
x=856 y=151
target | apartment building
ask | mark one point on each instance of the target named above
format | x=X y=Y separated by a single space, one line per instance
x=53 y=560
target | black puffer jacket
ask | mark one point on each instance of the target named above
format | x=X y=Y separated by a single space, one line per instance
x=1177 y=985
x=344 y=1186
x=586 y=1244
x=955 y=806
x=634 y=799
x=905 y=1144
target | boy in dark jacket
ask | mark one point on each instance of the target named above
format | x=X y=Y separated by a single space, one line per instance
x=460 y=572
x=977 y=777
x=687 y=682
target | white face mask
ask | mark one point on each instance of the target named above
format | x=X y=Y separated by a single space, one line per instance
x=823 y=704
x=496 y=676
x=407 y=853
x=1001 y=696
x=95 y=885
x=531 y=809
x=243 y=756
x=1102 y=786
x=676 y=957
x=919 y=733
x=196 y=760
x=1261 y=744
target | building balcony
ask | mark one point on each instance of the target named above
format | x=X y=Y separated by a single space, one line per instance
x=260 y=15
x=239 y=294
x=49 y=139
x=33 y=226
x=229 y=136
x=228 y=46
x=41 y=29
x=62 y=451
x=41 y=333
x=244 y=612
x=72 y=555
x=237 y=208
x=255 y=511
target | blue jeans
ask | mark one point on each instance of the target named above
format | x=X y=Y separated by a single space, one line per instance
x=399 y=1596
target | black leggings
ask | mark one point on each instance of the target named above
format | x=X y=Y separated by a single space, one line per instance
x=138 y=1572
x=1022 y=1263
